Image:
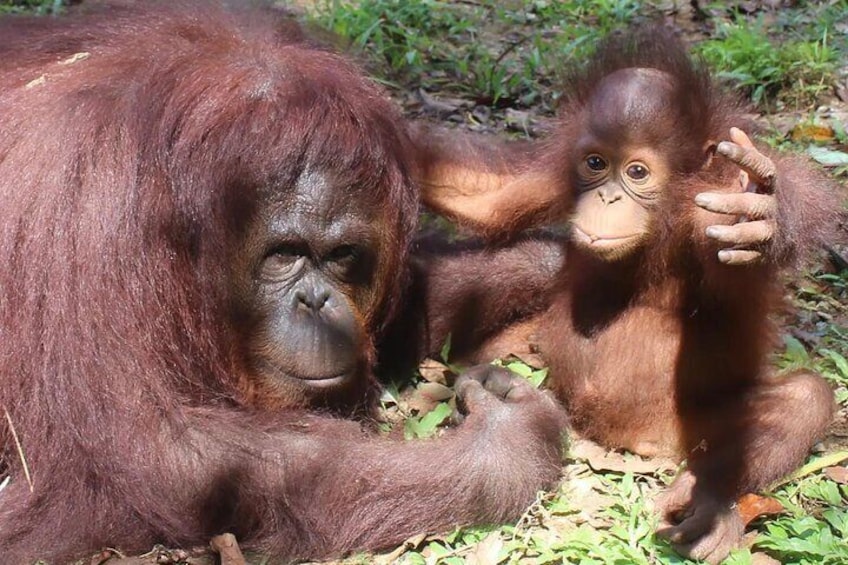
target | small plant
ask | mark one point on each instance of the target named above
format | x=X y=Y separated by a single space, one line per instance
x=32 y=6
x=511 y=60
x=793 y=71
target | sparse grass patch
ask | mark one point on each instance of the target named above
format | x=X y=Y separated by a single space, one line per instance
x=793 y=71
x=499 y=53
x=509 y=53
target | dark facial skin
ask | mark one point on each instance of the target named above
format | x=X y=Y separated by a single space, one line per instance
x=304 y=276
x=619 y=170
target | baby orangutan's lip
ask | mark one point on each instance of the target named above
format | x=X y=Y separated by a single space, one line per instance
x=598 y=242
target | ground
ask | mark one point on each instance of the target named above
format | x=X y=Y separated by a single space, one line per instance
x=491 y=66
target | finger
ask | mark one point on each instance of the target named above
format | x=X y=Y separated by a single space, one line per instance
x=755 y=163
x=744 y=234
x=741 y=138
x=479 y=373
x=739 y=256
x=673 y=514
x=674 y=534
x=749 y=204
x=493 y=380
x=456 y=417
x=471 y=394
x=690 y=529
x=705 y=549
x=725 y=535
x=500 y=382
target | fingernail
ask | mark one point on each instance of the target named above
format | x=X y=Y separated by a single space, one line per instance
x=724 y=147
x=713 y=231
x=723 y=255
x=702 y=199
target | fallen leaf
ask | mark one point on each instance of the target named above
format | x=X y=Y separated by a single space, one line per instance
x=815 y=466
x=752 y=506
x=428 y=395
x=811 y=132
x=441 y=106
x=434 y=371
x=487 y=551
x=828 y=157
x=587 y=497
x=838 y=474
x=599 y=459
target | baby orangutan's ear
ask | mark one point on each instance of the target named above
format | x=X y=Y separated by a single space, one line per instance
x=710 y=150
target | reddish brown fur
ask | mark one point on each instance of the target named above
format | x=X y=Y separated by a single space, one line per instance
x=666 y=351
x=131 y=148
x=467 y=293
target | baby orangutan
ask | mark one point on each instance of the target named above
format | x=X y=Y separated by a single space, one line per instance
x=658 y=330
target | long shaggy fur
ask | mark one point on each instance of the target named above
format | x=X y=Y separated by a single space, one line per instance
x=134 y=141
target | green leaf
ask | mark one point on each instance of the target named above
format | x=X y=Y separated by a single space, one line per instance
x=445 y=352
x=795 y=351
x=816 y=465
x=838 y=360
x=838 y=520
x=520 y=368
x=828 y=157
x=830 y=493
x=536 y=378
x=426 y=425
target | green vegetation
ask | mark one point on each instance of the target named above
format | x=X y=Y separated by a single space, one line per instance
x=508 y=53
x=31 y=6
x=799 y=71
x=497 y=53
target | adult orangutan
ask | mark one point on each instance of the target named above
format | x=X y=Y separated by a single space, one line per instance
x=203 y=231
x=659 y=327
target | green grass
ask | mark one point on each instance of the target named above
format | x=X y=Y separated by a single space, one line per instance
x=498 y=53
x=508 y=53
x=31 y=6
x=793 y=71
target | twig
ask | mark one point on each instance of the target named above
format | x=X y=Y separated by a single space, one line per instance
x=20 y=449
x=227 y=547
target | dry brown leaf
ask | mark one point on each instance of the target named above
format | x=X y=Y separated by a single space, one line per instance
x=752 y=506
x=838 y=474
x=428 y=395
x=586 y=495
x=434 y=371
x=812 y=132
x=487 y=551
x=599 y=459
